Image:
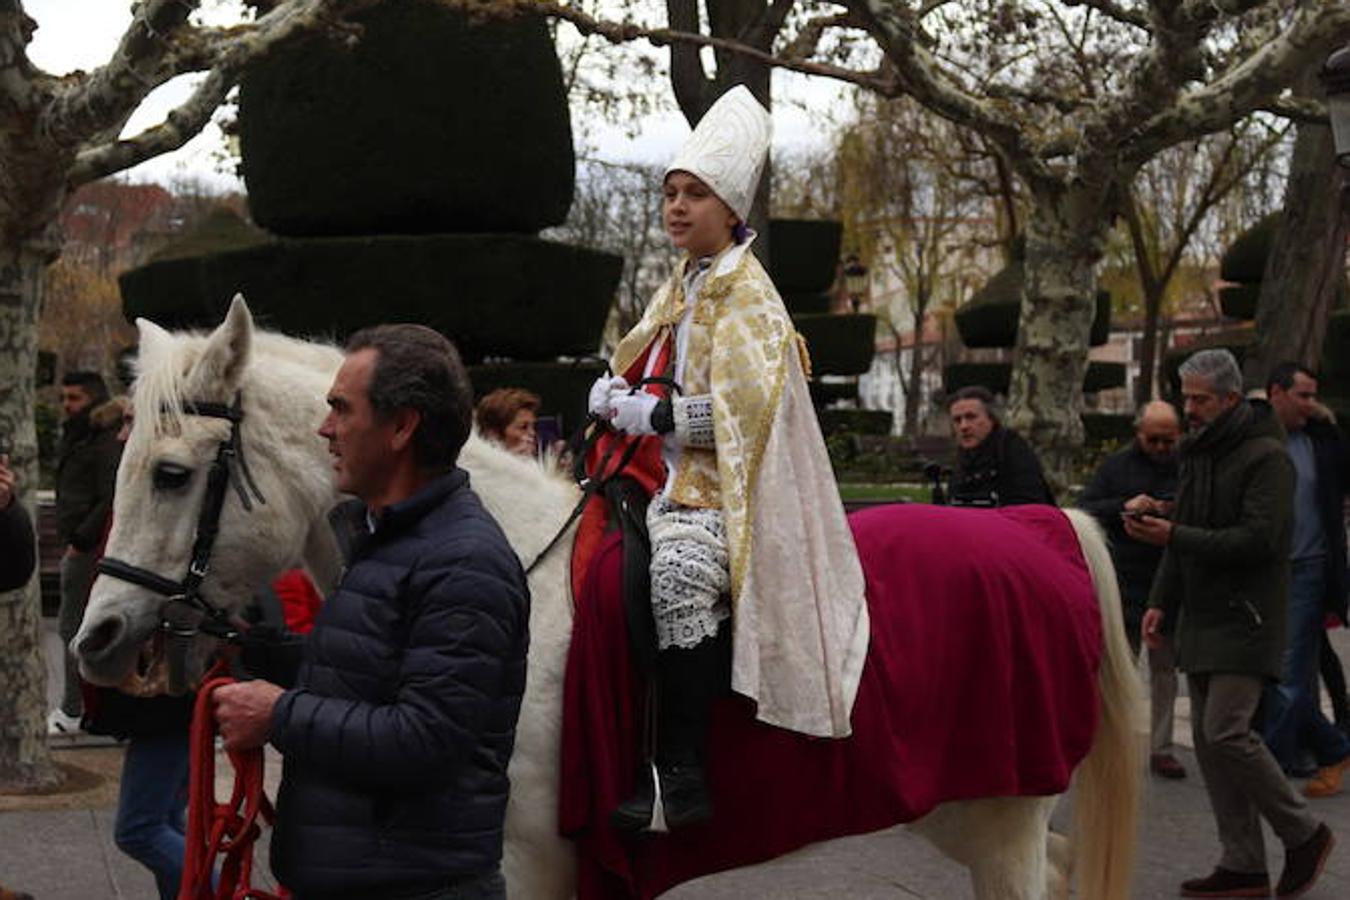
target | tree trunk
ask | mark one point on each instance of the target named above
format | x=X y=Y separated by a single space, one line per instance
x=1065 y=240
x=1306 y=267
x=916 y=367
x=25 y=763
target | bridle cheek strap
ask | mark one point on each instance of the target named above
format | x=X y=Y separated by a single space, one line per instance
x=185 y=612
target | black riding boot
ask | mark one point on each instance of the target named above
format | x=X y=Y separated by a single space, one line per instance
x=688 y=681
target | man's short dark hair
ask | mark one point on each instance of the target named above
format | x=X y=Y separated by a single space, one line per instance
x=974 y=392
x=1283 y=375
x=418 y=368
x=91 y=383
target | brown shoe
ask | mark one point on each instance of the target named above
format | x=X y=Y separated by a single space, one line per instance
x=1304 y=863
x=1165 y=765
x=1227 y=883
x=1327 y=781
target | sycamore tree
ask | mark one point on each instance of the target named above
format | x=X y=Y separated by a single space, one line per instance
x=58 y=132
x=1076 y=95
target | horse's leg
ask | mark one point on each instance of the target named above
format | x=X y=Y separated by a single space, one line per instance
x=1002 y=840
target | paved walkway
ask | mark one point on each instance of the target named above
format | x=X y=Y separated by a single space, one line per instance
x=60 y=847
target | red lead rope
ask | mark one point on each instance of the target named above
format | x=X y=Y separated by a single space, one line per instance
x=226 y=831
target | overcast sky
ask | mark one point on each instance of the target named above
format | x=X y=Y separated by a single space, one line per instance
x=81 y=34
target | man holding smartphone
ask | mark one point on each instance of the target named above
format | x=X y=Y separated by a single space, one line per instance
x=1222 y=589
x=1134 y=482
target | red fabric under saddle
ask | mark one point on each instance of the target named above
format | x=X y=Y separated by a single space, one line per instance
x=981 y=680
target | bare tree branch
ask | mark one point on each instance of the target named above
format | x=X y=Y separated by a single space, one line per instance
x=1254 y=83
x=180 y=125
x=1304 y=110
x=1114 y=10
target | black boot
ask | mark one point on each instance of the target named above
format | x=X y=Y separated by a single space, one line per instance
x=635 y=813
x=688 y=682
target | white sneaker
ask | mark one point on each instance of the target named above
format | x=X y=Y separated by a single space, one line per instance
x=58 y=723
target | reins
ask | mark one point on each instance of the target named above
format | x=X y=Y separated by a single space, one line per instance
x=585 y=438
x=228 y=831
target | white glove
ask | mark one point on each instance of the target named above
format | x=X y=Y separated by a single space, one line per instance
x=598 y=403
x=633 y=412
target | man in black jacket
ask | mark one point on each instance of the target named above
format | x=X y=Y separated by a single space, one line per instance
x=995 y=466
x=1294 y=723
x=397 y=734
x=86 y=473
x=1143 y=478
x=17 y=551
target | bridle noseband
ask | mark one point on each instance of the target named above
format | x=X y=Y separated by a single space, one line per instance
x=185 y=612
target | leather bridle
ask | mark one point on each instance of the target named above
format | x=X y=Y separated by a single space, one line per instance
x=185 y=612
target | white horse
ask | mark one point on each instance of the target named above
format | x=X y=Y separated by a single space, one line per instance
x=282 y=383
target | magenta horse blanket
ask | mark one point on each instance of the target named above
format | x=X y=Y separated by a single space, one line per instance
x=980 y=681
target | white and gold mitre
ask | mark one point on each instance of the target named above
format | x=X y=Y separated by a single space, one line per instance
x=728 y=147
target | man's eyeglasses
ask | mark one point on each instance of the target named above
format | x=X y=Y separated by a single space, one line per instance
x=1158 y=440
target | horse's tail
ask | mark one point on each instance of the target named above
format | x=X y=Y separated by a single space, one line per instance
x=1106 y=801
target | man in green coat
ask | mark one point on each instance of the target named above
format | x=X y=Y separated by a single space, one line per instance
x=1222 y=589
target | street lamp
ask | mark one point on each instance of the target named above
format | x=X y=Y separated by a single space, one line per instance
x=1336 y=79
x=855 y=280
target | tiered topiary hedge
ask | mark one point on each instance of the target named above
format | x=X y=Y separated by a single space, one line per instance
x=418 y=128
x=501 y=295
x=997 y=377
x=858 y=421
x=990 y=317
x=562 y=389
x=804 y=255
x=839 y=345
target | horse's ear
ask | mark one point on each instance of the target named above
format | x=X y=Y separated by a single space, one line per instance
x=226 y=356
x=151 y=338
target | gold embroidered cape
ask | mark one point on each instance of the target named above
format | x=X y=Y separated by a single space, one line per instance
x=800 y=616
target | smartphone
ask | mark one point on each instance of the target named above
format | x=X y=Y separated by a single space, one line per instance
x=1142 y=514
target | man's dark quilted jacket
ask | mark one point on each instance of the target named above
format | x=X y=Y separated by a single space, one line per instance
x=397 y=735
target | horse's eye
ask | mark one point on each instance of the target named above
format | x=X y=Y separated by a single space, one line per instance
x=171 y=476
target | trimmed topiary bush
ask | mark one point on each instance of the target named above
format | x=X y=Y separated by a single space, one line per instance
x=858 y=421
x=823 y=392
x=990 y=317
x=804 y=254
x=839 y=345
x=499 y=295
x=807 y=304
x=1239 y=301
x=997 y=377
x=1245 y=259
x=1334 y=377
x=1106 y=428
x=562 y=387
x=1103 y=376
x=429 y=124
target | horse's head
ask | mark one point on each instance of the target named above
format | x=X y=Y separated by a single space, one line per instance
x=200 y=404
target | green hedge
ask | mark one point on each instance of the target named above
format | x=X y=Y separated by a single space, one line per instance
x=562 y=387
x=839 y=345
x=804 y=254
x=989 y=323
x=1245 y=259
x=823 y=392
x=997 y=377
x=807 y=304
x=1103 y=428
x=428 y=124
x=1335 y=367
x=501 y=295
x=220 y=230
x=858 y=421
x=1239 y=301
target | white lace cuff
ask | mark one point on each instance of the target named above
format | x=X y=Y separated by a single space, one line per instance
x=694 y=421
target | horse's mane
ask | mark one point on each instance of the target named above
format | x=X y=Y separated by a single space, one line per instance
x=530 y=497
x=162 y=374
